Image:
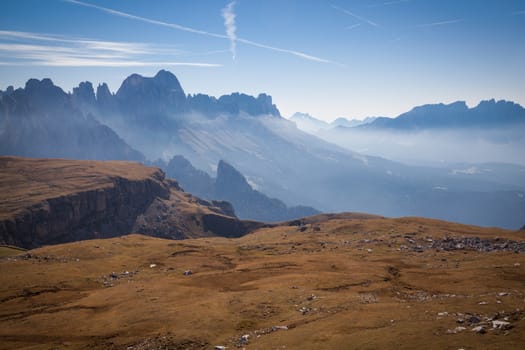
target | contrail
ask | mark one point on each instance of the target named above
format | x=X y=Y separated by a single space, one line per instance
x=202 y=32
x=434 y=24
x=355 y=16
x=147 y=20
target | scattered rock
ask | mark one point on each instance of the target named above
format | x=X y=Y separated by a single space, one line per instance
x=277 y=328
x=476 y=243
x=219 y=347
x=187 y=273
x=305 y=310
x=243 y=340
x=152 y=265
x=367 y=298
x=473 y=320
x=479 y=329
x=112 y=277
x=456 y=330
x=501 y=325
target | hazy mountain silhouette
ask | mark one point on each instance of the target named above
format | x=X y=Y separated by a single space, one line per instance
x=40 y=120
x=441 y=134
x=193 y=180
x=307 y=123
x=351 y=122
x=486 y=114
x=312 y=125
x=230 y=185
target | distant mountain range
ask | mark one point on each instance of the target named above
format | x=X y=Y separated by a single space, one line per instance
x=312 y=125
x=487 y=114
x=152 y=118
x=440 y=134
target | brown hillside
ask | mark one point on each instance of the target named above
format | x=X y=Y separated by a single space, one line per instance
x=335 y=282
x=50 y=201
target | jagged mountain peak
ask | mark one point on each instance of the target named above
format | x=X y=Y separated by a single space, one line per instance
x=163 y=80
x=84 y=93
x=152 y=95
x=228 y=175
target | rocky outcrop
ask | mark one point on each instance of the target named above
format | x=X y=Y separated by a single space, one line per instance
x=84 y=93
x=106 y=209
x=50 y=201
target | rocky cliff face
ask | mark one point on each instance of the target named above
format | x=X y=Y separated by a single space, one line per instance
x=55 y=201
x=105 y=212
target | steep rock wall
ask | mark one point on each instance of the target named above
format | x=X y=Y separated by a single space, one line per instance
x=104 y=212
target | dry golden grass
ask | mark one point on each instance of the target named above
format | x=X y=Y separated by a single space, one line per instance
x=335 y=283
x=25 y=182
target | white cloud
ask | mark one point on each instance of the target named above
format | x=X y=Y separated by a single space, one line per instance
x=31 y=49
x=229 y=23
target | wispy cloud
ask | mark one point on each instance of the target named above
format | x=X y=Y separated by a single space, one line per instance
x=522 y=12
x=356 y=16
x=435 y=24
x=354 y=26
x=229 y=23
x=32 y=49
x=387 y=3
x=203 y=32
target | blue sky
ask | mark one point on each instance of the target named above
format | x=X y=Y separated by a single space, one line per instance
x=327 y=58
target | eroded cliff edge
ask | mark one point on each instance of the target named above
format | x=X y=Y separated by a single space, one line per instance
x=50 y=201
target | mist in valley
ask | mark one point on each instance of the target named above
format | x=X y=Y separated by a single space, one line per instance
x=442 y=147
x=466 y=175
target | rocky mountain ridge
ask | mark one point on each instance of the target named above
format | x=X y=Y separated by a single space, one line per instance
x=231 y=186
x=163 y=93
x=41 y=120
